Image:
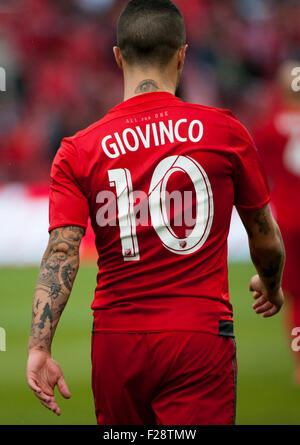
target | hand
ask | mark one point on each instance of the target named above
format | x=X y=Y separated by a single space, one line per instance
x=265 y=304
x=43 y=374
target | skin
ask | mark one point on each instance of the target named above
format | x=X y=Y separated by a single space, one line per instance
x=57 y=274
x=268 y=256
x=61 y=260
x=148 y=78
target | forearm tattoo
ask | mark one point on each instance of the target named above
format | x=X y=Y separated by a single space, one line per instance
x=57 y=273
x=262 y=222
x=270 y=265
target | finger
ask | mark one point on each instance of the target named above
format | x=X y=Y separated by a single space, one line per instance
x=37 y=390
x=264 y=308
x=257 y=295
x=254 y=283
x=33 y=385
x=271 y=312
x=42 y=396
x=52 y=406
x=63 y=388
x=251 y=287
x=55 y=410
x=259 y=302
x=47 y=389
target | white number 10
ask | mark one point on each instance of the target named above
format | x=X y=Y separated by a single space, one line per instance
x=121 y=179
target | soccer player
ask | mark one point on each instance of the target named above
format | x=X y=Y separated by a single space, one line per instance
x=163 y=349
x=278 y=140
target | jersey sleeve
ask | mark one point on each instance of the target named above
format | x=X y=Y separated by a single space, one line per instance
x=251 y=189
x=67 y=203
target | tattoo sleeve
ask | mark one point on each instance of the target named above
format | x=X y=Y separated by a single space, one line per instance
x=57 y=273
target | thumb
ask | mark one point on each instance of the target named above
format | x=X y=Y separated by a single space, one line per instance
x=63 y=387
x=252 y=287
x=254 y=284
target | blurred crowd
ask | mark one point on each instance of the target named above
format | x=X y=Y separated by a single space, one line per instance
x=61 y=75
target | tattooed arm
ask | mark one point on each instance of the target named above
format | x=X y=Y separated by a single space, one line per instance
x=268 y=256
x=57 y=273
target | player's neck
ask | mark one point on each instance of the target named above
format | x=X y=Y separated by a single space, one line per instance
x=137 y=83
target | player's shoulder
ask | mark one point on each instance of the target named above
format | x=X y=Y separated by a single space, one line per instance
x=224 y=119
x=222 y=114
x=87 y=132
x=214 y=111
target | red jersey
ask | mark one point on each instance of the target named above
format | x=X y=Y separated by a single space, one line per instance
x=157 y=271
x=278 y=140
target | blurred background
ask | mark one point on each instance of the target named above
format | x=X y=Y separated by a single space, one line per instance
x=61 y=77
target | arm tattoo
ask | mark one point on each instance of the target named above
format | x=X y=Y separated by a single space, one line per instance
x=146 y=86
x=272 y=272
x=266 y=246
x=58 y=271
x=262 y=223
x=270 y=265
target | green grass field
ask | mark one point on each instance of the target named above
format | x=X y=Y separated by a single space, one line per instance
x=266 y=394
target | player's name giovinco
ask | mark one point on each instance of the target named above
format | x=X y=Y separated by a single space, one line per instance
x=131 y=139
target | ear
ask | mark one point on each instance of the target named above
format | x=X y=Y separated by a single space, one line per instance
x=181 y=56
x=118 y=56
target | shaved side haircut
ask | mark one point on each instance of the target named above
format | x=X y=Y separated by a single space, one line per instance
x=150 y=32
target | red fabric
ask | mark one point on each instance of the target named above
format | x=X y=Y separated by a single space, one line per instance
x=168 y=378
x=290 y=282
x=278 y=141
x=67 y=202
x=164 y=288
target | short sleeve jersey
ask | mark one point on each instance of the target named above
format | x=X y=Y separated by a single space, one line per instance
x=159 y=178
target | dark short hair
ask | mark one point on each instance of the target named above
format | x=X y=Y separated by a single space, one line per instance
x=150 y=32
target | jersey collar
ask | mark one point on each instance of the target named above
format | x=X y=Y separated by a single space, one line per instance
x=143 y=99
